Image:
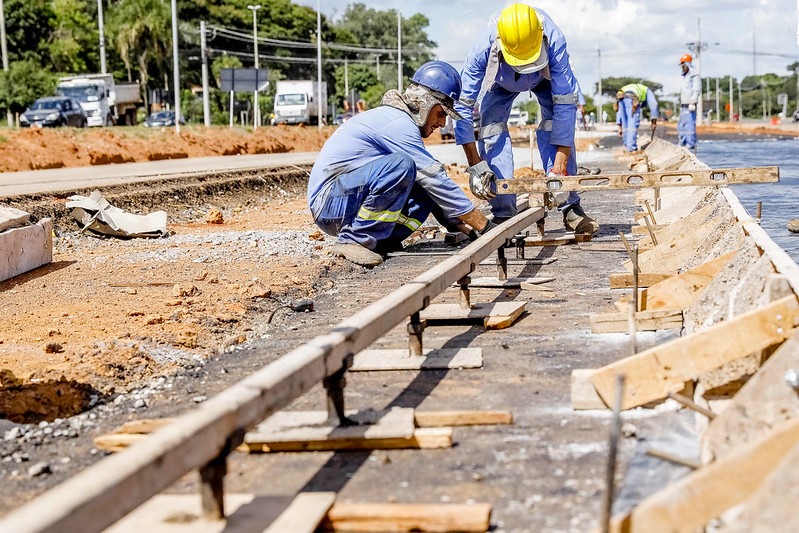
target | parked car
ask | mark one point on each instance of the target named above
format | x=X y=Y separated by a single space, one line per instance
x=52 y=111
x=796 y=116
x=161 y=118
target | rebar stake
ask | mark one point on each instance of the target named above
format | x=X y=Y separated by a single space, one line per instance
x=415 y=330
x=502 y=264
x=463 y=296
x=334 y=385
x=759 y=212
x=610 y=478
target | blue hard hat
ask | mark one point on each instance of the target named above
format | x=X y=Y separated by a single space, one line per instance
x=442 y=78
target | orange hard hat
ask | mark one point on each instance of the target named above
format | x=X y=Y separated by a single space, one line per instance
x=686 y=58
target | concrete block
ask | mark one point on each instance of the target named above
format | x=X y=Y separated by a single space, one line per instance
x=25 y=248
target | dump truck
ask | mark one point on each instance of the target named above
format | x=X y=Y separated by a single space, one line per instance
x=105 y=102
x=296 y=102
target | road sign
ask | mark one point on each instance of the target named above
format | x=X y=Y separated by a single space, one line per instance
x=243 y=80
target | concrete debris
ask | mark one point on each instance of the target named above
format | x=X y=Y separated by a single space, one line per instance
x=97 y=215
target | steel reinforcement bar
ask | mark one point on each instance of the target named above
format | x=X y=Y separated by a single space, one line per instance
x=103 y=493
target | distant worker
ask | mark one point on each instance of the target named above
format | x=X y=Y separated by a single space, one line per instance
x=581 y=122
x=630 y=99
x=690 y=92
x=374 y=182
x=523 y=50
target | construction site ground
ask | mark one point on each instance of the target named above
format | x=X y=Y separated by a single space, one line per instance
x=118 y=330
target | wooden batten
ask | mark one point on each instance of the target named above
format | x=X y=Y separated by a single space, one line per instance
x=680 y=291
x=644 y=321
x=625 y=280
x=653 y=373
x=369 y=518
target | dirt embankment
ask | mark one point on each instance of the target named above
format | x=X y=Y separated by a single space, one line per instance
x=35 y=149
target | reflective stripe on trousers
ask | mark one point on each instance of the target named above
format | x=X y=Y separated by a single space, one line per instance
x=373 y=203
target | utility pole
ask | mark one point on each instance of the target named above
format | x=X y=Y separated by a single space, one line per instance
x=347 y=86
x=4 y=49
x=206 y=96
x=732 y=106
x=377 y=60
x=176 y=64
x=599 y=96
x=256 y=111
x=718 y=111
x=754 y=51
x=399 y=51
x=319 y=103
x=699 y=113
x=102 y=35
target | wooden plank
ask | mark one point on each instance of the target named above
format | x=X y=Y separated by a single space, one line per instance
x=427 y=419
x=399 y=517
x=680 y=291
x=181 y=513
x=764 y=402
x=534 y=287
x=532 y=261
x=422 y=439
x=556 y=238
x=401 y=359
x=624 y=280
x=641 y=180
x=689 y=503
x=289 y=426
x=107 y=490
x=510 y=283
x=583 y=392
x=305 y=513
x=25 y=248
x=496 y=315
x=644 y=320
x=652 y=374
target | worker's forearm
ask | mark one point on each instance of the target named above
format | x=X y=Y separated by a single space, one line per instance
x=475 y=219
x=472 y=156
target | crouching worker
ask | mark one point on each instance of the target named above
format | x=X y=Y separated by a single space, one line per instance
x=374 y=182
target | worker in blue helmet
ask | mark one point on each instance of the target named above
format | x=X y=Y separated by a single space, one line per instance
x=374 y=182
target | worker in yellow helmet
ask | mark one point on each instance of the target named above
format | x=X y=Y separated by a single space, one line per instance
x=629 y=101
x=521 y=51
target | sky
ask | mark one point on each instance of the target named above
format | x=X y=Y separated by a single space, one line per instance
x=636 y=38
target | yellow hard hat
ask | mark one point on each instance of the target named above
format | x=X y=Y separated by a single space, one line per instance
x=520 y=34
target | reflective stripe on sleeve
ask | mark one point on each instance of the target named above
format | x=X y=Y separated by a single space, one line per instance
x=432 y=170
x=469 y=102
x=545 y=125
x=564 y=98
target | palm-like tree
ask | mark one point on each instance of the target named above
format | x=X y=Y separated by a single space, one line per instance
x=141 y=32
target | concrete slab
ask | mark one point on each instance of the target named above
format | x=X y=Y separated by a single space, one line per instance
x=25 y=248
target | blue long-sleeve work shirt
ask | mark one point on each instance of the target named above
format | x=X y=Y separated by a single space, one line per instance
x=562 y=88
x=378 y=132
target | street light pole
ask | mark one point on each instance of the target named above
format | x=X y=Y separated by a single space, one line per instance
x=599 y=96
x=322 y=110
x=102 y=35
x=399 y=51
x=176 y=65
x=4 y=49
x=255 y=112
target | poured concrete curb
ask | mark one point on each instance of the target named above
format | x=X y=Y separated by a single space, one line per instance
x=25 y=248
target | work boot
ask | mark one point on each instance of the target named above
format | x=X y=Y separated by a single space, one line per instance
x=575 y=219
x=357 y=254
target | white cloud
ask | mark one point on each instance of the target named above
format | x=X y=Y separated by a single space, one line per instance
x=642 y=38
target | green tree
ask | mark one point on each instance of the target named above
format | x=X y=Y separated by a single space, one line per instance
x=360 y=78
x=610 y=86
x=24 y=82
x=73 y=43
x=141 y=31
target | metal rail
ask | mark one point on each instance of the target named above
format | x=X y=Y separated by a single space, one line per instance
x=641 y=180
x=103 y=493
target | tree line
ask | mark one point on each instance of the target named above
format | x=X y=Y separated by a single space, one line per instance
x=47 y=39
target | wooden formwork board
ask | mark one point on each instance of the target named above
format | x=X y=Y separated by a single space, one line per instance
x=625 y=280
x=652 y=374
x=305 y=513
x=495 y=315
x=764 y=402
x=510 y=283
x=644 y=321
x=401 y=359
x=688 y=504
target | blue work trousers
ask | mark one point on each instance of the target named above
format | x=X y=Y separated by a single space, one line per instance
x=686 y=128
x=375 y=202
x=630 y=120
x=494 y=143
